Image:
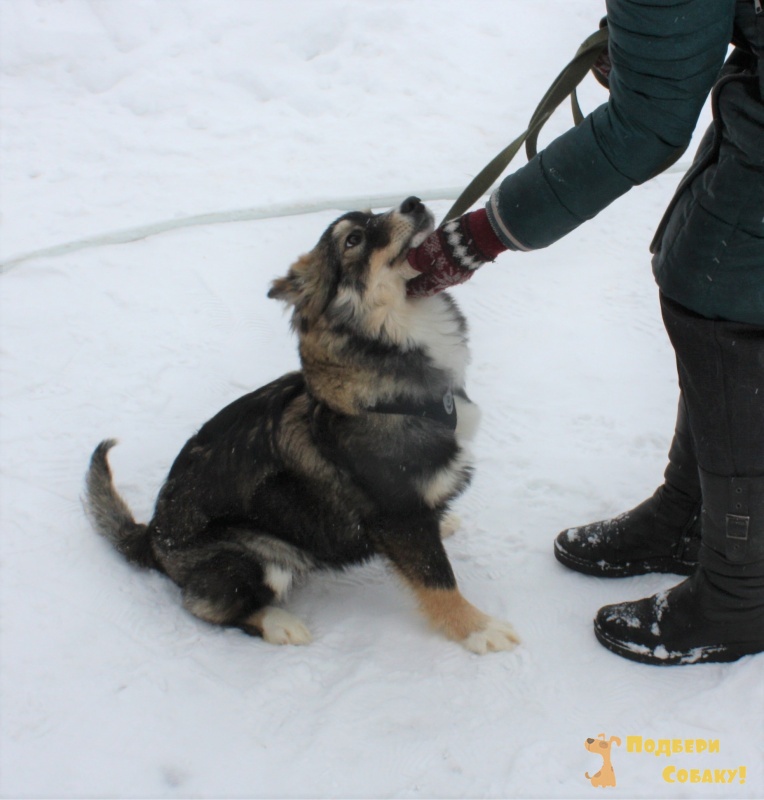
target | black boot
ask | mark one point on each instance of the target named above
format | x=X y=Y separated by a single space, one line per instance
x=662 y=534
x=718 y=613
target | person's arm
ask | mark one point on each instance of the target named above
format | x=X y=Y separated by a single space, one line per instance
x=666 y=56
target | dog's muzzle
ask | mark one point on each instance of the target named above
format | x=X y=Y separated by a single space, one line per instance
x=423 y=219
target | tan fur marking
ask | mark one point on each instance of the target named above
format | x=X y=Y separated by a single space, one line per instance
x=460 y=621
x=386 y=298
x=343 y=385
x=450 y=613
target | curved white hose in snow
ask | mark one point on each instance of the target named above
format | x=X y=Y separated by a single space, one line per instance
x=218 y=217
x=240 y=215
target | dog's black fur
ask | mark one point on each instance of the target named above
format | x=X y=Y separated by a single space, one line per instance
x=307 y=472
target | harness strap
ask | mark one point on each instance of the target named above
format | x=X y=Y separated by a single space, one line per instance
x=443 y=410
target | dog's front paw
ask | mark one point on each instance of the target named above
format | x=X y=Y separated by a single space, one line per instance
x=495 y=636
x=280 y=627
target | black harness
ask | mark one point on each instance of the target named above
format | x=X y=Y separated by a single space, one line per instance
x=442 y=410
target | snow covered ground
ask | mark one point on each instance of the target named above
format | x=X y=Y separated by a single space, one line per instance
x=119 y=114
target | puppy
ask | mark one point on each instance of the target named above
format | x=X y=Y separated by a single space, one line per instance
x=359 y=454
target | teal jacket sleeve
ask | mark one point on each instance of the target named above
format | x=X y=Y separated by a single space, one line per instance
x=666 y=56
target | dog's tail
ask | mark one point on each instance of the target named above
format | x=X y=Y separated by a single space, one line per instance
x=110 y=515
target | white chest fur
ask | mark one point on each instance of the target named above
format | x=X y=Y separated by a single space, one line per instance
x=433 y=324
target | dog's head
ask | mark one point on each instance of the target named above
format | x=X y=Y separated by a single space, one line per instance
x=357 y=269
x=601 y=745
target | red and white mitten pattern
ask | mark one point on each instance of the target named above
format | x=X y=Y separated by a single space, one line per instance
x=451 y=254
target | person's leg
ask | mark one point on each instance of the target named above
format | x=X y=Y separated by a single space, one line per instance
x=662 y=534
x=718 y=613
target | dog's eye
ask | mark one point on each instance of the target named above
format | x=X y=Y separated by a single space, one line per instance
x=353 y=239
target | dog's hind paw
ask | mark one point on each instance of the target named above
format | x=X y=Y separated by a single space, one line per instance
x=277 y=626
x=495 y=636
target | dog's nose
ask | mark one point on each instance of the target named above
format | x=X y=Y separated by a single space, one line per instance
x=589 y=741
x=410 y=205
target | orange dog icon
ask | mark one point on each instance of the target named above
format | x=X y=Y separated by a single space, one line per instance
x=606 y=776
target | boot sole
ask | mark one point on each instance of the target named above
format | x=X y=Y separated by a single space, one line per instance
x=601 y=569
x=661 y=657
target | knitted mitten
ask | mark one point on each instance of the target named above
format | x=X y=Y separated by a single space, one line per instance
x=449 y=255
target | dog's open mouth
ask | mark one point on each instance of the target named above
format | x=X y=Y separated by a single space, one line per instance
x=427 y=226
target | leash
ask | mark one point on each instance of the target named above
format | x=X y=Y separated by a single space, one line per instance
x=563 y=86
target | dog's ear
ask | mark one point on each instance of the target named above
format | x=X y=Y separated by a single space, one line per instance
x=303 y=287
x=285 y=289
x=299 y=284
x=289 y=288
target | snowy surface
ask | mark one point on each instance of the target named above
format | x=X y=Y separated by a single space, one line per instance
x=120 y=114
